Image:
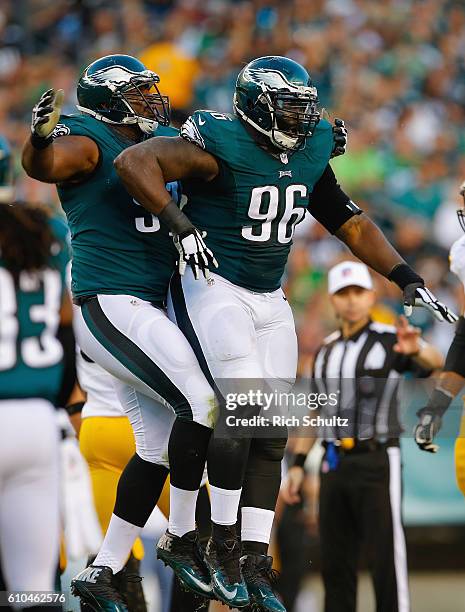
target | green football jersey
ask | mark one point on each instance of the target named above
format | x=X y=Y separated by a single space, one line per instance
x=118 y=247
x=31 y=356
x=250 y=209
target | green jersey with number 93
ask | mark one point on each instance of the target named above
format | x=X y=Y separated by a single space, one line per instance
x=31 y=356
x=118 y=247
x=251 y=208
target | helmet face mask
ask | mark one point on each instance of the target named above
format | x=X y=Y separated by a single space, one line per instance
x=275 y=96
x=119 y=90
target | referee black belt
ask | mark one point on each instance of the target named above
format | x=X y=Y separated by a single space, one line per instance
x=364 y=446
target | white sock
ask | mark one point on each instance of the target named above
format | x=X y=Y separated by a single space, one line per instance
x=182 y=511
x=224 y=504
x=117 y=544
x=256 y=525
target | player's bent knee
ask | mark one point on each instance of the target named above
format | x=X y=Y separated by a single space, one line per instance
x=158 y=456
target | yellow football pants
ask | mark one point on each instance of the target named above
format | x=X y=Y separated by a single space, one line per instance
x=460 y=456
x=107 y=443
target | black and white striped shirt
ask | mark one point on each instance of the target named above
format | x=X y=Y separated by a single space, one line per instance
x=364 y=372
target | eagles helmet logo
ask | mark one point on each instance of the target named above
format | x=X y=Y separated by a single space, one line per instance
x=60 y=130
x=273 y=79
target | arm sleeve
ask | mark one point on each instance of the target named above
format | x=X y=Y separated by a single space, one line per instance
x=199 y=129
x=329 y=204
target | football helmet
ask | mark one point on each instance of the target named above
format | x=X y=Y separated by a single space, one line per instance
x=119 y=89
x=275 y=95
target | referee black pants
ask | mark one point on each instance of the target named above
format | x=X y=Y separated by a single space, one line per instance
x=360 y=503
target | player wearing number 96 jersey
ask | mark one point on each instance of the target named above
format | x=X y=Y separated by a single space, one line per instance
x=249 y=178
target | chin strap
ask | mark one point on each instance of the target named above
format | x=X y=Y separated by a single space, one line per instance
x=147 y=126
x=267 y=133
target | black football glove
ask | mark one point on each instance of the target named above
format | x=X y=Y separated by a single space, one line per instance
x=416 y=294
x=428 y=426
x=193 y=251
x=45 y=116
x=339 y=137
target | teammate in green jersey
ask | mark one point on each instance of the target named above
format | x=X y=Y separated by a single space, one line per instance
x=123 y=258
x=249 y=178
x=36 y=351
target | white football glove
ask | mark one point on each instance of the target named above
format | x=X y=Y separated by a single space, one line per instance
x=46 y=113
x=193 y=251
x=417 y=295
x=83 y=534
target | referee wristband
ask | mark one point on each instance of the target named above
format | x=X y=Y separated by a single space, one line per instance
x=74 y=408
x=299 y=460
x=403 y=275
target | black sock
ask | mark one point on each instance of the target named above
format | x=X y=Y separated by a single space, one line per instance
x=139 y=487
x=187 y=450
x=223 y=532
x=254 y=548
x=227 y=460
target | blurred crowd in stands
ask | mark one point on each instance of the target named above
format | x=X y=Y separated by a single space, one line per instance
x=394 y=70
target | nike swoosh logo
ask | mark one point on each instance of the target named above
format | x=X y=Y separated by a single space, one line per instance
x=200 y=584
x=227 y=594
x=201 y=121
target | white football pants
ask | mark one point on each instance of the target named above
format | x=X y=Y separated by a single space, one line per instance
x=29 y=494
x=158 y=374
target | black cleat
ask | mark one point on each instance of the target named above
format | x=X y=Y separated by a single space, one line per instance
x=184 y=556
x=98 y=589
x=223 y=560
x=260 y=579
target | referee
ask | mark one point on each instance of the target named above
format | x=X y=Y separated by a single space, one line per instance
x=360 y=481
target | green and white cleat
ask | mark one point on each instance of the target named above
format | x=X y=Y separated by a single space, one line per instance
x=260 y=578
x=223 y=561
x=184 y=556
x=97 y=588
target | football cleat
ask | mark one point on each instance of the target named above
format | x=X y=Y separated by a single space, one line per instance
x=184 y=556
x=223 y=561
x=260 y=578
x=98 y=589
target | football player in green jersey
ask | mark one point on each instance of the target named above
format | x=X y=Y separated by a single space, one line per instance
x=123 y=258
x=36 y=374
x=249 y=178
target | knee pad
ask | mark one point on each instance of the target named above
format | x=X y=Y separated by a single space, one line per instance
x=234 y=334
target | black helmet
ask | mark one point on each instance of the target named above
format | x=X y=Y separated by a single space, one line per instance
x=108 y=88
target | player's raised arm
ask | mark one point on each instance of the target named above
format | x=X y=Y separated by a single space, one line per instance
x=56 y=160
x=336 y=211
x=145 y=169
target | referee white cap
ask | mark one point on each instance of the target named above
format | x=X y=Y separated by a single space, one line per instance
x=348 y=273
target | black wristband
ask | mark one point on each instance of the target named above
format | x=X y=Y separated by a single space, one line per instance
x=403 y=275
x=299 y=460
x=39 y=142
x=173 y=217
x=74 y=408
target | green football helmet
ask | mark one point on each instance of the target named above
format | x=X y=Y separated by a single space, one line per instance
x=275 y=95
x=119 y=89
